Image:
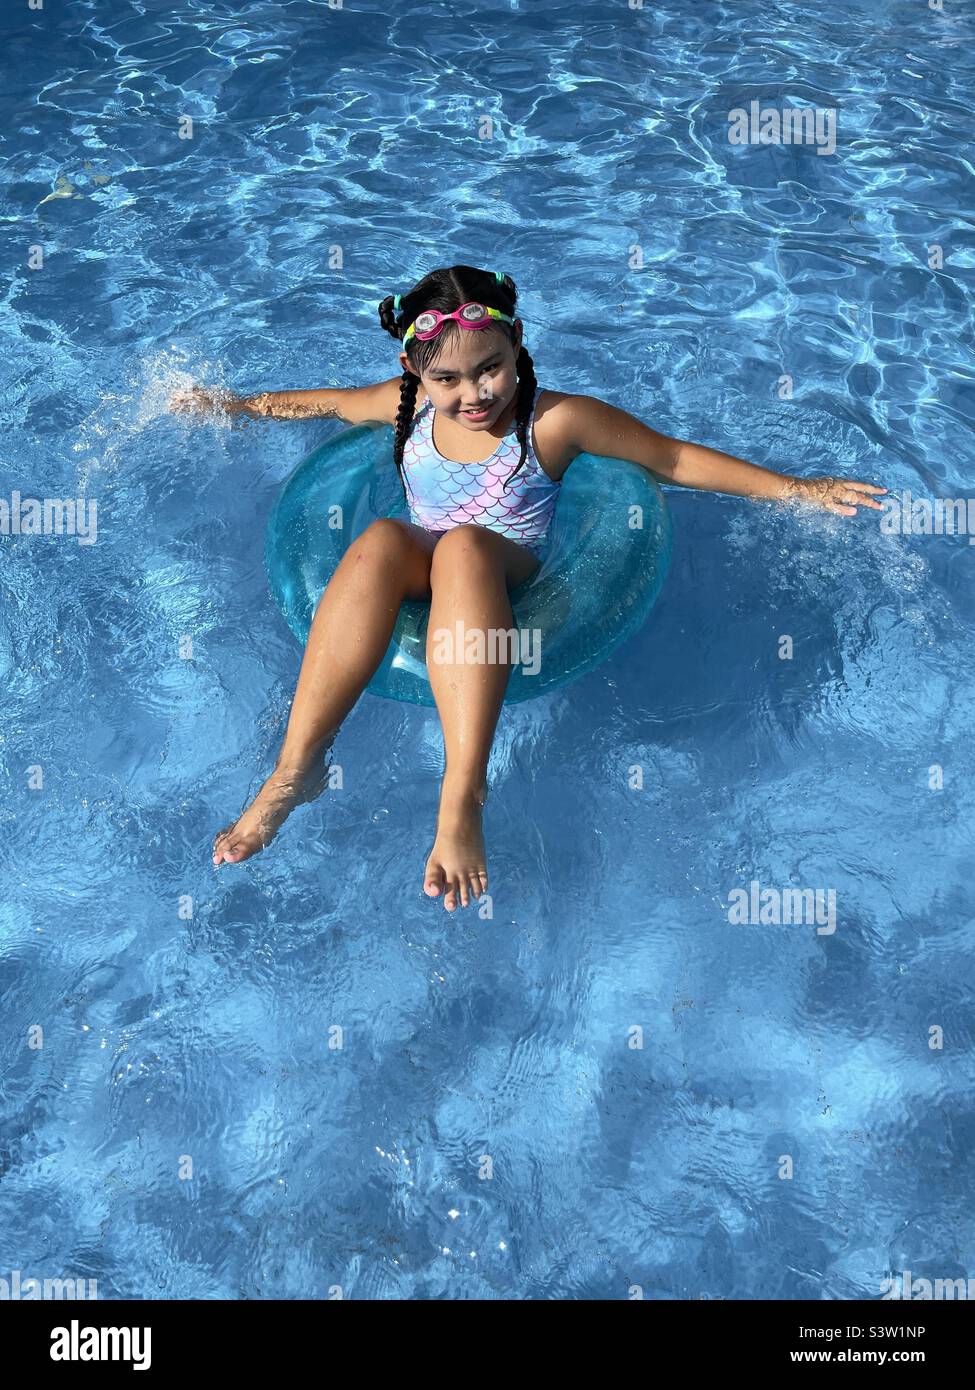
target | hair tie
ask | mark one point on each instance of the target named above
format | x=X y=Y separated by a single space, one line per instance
x=499 y=276
x=396 y=299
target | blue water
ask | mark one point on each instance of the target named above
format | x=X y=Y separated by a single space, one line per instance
x=187 y=1011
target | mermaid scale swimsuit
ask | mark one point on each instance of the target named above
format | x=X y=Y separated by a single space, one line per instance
x=443 y=494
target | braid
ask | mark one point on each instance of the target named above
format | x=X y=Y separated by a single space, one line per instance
x=408 y=388
x=525 y=368
x=386 y=316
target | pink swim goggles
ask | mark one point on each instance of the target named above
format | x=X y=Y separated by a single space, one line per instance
x=471 y=315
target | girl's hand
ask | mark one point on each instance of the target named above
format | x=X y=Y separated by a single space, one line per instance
x=201 y=400
x=840 y=495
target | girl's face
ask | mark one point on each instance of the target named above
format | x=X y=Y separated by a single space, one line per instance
x=475 y=372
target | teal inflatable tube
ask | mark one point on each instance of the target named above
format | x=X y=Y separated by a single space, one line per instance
x=604 y=568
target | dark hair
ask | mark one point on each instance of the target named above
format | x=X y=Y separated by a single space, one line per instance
x=447 y=290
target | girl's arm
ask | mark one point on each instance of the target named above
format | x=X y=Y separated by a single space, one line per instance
x=593 y=427
x=354 y=405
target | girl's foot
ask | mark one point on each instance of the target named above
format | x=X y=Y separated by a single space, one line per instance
x=286 y=788
x=457 y=861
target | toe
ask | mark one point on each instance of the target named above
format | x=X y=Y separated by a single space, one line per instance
x=433 y=883
x=230 y=848
x=463 y=886
x=223 y=841
x=450 y=900
x=476 y=890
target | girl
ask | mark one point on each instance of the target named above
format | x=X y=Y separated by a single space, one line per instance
x=481 y=450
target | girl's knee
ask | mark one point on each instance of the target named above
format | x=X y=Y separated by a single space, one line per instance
x=388 y=550
x=383 y=536
x=386 y=528
x=465 y=540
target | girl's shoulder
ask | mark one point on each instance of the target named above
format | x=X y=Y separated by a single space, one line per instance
x=389 y=398
x=552 y=440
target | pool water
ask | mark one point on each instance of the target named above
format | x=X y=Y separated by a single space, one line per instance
x=300 y=1075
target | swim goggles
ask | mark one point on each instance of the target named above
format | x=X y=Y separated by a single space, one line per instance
x=471 y=315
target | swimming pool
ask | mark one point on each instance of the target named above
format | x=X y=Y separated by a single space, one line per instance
x=598 y=1088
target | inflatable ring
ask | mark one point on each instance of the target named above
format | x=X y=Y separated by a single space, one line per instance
x=605 y=563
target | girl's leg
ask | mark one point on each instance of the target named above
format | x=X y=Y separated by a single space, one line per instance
x=472 y=570
x=349 y=635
